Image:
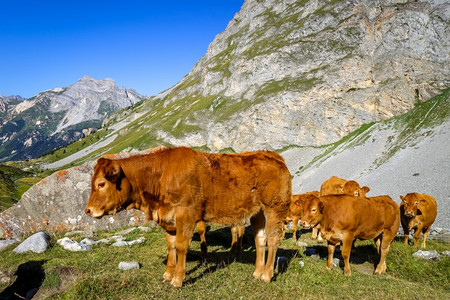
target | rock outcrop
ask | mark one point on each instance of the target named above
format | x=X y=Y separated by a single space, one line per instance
x=306 y=73
x=57 y=204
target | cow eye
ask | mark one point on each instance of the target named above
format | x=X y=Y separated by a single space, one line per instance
x=314 y=210
x=101 y=185
x=417 y=202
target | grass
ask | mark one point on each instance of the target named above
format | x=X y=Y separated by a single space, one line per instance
x=94 y=274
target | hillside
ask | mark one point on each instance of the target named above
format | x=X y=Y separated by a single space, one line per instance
x=57 y=117
x=300 y=73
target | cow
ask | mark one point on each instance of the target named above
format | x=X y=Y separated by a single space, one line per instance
x=343 y=218
x=296 y=210
x=418 y=212
x=178 y=187
x=338 y=186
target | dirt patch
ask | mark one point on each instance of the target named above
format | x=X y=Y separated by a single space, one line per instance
x=67 y=278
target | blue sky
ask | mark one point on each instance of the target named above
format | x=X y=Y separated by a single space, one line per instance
x=145 y=45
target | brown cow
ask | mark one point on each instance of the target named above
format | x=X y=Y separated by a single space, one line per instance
x=338 y=186
x=418 y=212
x=344 y=218
x=178 y=187
x=296 y=210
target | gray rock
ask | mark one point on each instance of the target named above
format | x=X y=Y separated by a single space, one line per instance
x=37 y=243
x=428 y=255
x=129 y=265
x=302 y=244
x=335 y=262
x=446 y=253
x=57 y=203
x=6 y=243
x=71 y=245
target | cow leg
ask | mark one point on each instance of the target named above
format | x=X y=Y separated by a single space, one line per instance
x=386 y=239
x=258 y=224
x=294 y=228
x=185 y=230
x=274 y=226
x=425 y=231
x=171 y=256
x=331 y=248
x=237 y=234
x=315 y=232
x=201 y=229
x=406 y=232
x=417 y=235
x=346 y=249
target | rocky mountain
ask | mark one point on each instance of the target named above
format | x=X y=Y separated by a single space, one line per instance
x=54 y=118
x=408 y=153
x=304 y=73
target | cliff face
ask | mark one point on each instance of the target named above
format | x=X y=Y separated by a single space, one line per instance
x=308 y=72
x=54 y=118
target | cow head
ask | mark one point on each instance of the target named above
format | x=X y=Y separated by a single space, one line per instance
x=298 y=202
x=410 y=204
x=110 y=189
x=312 y=213
x=353 y=188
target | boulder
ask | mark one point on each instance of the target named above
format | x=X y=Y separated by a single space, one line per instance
x=36 y=243
x=57 y=203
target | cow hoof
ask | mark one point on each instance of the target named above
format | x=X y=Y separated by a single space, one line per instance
x=167 y=276
x=257 y=275
x=266 y=279
x=176 y=283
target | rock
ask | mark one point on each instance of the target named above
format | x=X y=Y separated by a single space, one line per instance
x=281 y=264
x=122 y=243
x=57 y=204
x=335 y=262
x=71 y=245
x=85 y=233
x=36 y=243
x=428 y=255
x=87 y=241
x=302 y=244
x=129 y=265
x=6 y=243
x=301 y=264
x=446 y=253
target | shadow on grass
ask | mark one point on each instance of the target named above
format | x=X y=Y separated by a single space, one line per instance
x=30 y=276
x=221 y=258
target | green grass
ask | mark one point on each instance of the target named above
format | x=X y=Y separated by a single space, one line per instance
x=94 y=274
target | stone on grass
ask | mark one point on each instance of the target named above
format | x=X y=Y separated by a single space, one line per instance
x=129 y=265
x=6 y=243
x=428 y=255
x=37 y=243
x=302 y=244
x=70 y=245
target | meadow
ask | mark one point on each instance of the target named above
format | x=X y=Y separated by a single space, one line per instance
x=61 y=274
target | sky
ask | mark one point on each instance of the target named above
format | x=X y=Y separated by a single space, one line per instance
x=144 y=45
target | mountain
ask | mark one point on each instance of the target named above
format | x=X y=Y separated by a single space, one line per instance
x=57 y=117
x=406 y=153
x=302 y=73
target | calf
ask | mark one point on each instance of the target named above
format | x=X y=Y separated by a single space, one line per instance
x=178 y=187
x=343 y=218
x=418 y=212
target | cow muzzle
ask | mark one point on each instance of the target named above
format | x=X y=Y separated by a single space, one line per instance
x=95 y=214
x=305 y=225
x=409 y=213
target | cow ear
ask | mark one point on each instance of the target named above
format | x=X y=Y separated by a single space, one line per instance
x=403 y=198
x=321 y=207
x=113 y=171
x=365 y=189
